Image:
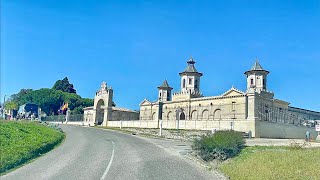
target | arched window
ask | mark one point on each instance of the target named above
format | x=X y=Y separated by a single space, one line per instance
x=205 y=114
x=217 y=114
x=182 y=116
x=169 y=115
x=251 y=81
x=194 y=115
x=183 y=83
x=196 y=84
x=153 y=115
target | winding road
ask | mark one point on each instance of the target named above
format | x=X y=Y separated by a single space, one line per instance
x=92 y=153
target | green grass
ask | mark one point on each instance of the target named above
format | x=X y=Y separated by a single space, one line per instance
x=274 y=163
x=24 y=140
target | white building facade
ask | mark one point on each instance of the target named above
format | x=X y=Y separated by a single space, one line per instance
x=235 y=109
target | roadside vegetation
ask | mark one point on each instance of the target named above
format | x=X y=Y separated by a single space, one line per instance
x=24 y=140
x=261 y=162
x=219 y=146
x=50 y=99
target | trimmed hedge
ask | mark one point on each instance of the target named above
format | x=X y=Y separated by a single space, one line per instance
x=24 y=140
x=219 y=146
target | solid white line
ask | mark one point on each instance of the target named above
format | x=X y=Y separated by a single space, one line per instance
x=110 y=162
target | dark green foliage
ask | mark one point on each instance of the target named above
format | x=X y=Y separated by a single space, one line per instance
x=11 y=105
x=25 y=140
x=64 y=85
x=220 y=146
x=50 y=100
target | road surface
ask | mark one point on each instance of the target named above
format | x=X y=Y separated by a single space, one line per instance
x=91 y=153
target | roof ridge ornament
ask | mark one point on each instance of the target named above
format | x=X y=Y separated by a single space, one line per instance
x=191 y=61
x=190 y=69
x=256 y=67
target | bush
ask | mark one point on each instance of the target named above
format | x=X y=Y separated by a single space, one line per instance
x=220 y=146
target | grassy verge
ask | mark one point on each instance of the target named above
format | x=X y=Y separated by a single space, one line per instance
x=24 y=140
x=274 y=163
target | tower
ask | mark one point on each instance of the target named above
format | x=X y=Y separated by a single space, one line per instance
x=164 y=92
x=257 y=78
x=190 y=78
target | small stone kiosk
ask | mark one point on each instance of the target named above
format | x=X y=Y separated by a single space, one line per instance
x=102 y=111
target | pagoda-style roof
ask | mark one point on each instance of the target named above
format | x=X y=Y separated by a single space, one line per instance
x=190 y=69
x=165 y=85
x=256 y=68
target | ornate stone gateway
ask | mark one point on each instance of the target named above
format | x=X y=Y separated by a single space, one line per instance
x=103 y=112
x=102 y=109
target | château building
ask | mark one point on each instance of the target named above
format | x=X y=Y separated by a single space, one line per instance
x=239 y=110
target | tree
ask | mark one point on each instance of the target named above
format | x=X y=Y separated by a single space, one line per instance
x=19 y=97
x=10 y=105
x=64 y=85
x=50 y=100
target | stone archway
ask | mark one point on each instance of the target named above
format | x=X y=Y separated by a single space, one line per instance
x=102 y=108
x=99 y=112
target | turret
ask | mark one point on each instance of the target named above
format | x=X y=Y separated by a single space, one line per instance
x=164 y=92
x=190 y=78
x=257 y=78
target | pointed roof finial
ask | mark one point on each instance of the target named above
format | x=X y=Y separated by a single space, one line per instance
x=257 y=67
x=165 y=85
x=191 y=61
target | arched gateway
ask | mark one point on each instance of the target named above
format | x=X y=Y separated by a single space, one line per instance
x=102 y=108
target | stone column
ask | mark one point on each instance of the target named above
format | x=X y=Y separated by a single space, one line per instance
x=252 y=112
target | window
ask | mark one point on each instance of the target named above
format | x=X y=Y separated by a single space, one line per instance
x=196 y=84
x=233 y=106
x=183 y=83
x=190 y=81
x=251 y=81
x=264 y=82
x=182 y=116
x=160 y=95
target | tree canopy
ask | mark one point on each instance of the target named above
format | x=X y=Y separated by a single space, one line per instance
x=11 y=105
x=64 y=85
x=50 y=100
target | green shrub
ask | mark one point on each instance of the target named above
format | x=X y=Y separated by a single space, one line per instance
x=220 y=146
x=25 y=140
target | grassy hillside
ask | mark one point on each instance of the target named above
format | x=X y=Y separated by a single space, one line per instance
x=274 y=163
x=24 y=140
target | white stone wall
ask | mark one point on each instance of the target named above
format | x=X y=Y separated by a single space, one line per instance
x=279 y=130
x=240 y=125
x=118 y=115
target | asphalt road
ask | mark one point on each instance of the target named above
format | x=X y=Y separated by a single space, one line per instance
x=90 y=153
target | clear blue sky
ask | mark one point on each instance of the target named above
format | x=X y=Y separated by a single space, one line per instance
x=135 y=45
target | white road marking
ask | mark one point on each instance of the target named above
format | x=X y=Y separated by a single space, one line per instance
x=110 y=162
